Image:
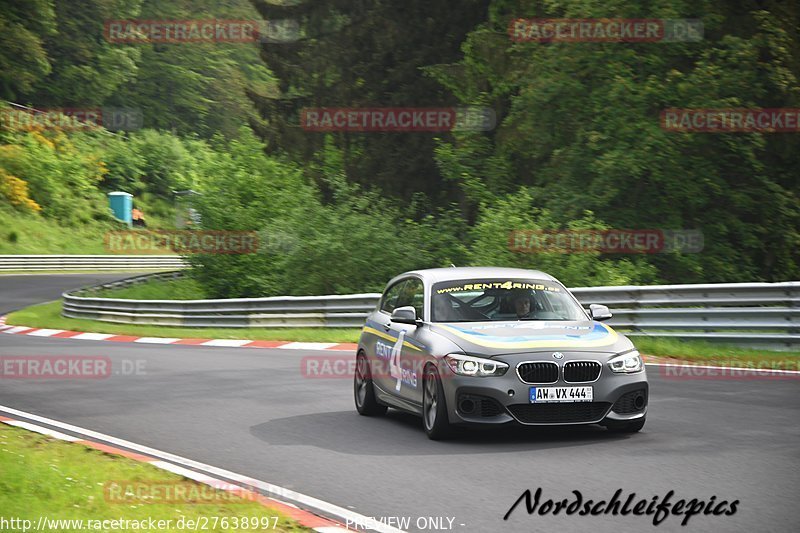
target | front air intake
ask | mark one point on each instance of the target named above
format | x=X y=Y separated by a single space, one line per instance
x=538 y=372
x=581 y=371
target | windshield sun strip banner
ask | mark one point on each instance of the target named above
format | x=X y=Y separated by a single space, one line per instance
x=490 y=284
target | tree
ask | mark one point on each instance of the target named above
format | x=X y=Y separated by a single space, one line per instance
x=23 y=58
x=364 y=53
x=579 y=122
x=86 y=69
x=196 y=88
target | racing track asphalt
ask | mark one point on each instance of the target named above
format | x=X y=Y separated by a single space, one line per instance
x=252 y=411
x=17 y=291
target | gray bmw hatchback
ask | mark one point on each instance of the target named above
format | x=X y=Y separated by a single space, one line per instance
x=490 y=346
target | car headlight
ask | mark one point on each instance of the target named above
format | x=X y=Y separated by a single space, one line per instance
x=467 y=365
x=626 y=363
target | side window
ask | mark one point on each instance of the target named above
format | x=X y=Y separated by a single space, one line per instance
x=390 y=298
x=412 y=294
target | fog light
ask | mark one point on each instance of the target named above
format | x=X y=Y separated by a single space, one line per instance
x=467 y=406
x=638 y=402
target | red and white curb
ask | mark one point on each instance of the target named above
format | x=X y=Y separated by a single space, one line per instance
x=208 y=475
x=226 y=343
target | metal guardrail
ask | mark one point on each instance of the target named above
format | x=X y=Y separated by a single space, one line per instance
x=717 y=294
x=760 y=315
x=90 y=262
x=280 y=311
x=757 y=314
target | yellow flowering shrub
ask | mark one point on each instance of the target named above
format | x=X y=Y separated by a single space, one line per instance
x=15 y=192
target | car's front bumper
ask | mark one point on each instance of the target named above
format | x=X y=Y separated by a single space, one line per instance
x=505 y=399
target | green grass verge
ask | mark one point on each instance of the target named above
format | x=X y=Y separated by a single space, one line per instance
x=179 y=289
x=30 y=234
x=719 y=353
x=33 y=234
x=48 y=315
x=43 y=477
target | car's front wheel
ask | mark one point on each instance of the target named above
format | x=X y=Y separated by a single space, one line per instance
x=434 y=407
x=626 y=427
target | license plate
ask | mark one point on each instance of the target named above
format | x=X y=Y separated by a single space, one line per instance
x=560 y=394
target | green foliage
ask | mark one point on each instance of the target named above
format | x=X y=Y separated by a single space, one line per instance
x=167 y=164
x=354 y=243
x=517 y=211
x=578 y=142
x=54 y=53
x=357 y=243
x=196 y=88
x=23 y=58
x=179 y=289
x=364 y=54
x=145 y=161
x=60 y=178
x=83 y=63
x=579 y=122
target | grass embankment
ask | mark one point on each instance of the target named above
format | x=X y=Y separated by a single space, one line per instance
x=712 y=352
x=48 y=315
x=179 y=289
x=34 y=234
x=43 y=477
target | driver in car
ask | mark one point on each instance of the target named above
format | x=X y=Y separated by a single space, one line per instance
x=522 y=304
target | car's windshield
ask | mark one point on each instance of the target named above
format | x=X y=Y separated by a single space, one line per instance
x=474 y=300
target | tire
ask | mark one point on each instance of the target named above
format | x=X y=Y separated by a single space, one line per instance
x=627 y=427
x=363 y=389
x=434 y=407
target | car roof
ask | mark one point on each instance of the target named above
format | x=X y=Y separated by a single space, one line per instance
x=435 y=275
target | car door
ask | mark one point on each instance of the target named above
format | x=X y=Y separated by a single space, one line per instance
x=408 y=355
x=384 y=336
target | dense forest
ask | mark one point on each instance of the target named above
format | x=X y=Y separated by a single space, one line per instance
x=576 y=142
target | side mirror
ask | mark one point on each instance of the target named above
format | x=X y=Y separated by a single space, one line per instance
x=599 y=312
x=405 y=315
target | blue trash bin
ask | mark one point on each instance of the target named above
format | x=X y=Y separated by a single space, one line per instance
x=121 y=204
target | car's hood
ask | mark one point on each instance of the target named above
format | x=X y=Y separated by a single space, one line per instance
x=496 y=338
